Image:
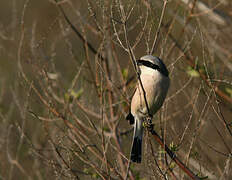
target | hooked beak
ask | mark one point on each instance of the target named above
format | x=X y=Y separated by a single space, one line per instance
x=139 y=62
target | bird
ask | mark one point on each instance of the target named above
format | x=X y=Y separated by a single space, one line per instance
x=155 y=81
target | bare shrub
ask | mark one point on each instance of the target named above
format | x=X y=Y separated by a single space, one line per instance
x=63 y=110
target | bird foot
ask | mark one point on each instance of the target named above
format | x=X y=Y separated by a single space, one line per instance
x=148 y=124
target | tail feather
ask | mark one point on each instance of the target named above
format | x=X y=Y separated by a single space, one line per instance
x=136 y=151
x=130 y=118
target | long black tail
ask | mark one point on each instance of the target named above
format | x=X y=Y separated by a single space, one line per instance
x=136 y=152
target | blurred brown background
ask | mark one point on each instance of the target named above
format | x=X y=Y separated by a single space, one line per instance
x=64 y=95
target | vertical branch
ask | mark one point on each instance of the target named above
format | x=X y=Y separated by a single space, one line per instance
x=159 y=27
x=131 y=54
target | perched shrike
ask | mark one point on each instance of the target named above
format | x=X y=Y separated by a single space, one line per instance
x=155 y=81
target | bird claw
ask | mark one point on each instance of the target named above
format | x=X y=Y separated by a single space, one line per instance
x=148 y=124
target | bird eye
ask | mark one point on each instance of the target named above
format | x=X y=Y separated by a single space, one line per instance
x=139 y=63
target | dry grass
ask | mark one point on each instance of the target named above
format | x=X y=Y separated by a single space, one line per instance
x=68 y=73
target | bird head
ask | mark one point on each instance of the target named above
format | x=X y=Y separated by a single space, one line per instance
x=149 y=63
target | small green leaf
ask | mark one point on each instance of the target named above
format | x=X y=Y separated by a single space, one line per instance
x=86 y=170
x=192 y=72
x=172 y=165
x=76 y=95
x=125 y=73
x=229 y=91
x=173 y=147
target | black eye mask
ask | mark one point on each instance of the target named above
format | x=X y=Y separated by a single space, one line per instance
x=148 y=64
x=153 y=66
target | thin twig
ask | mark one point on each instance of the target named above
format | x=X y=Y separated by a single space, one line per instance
x=159 y=27
x=173 y=155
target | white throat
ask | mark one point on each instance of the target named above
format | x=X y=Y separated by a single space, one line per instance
x=149 y=71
